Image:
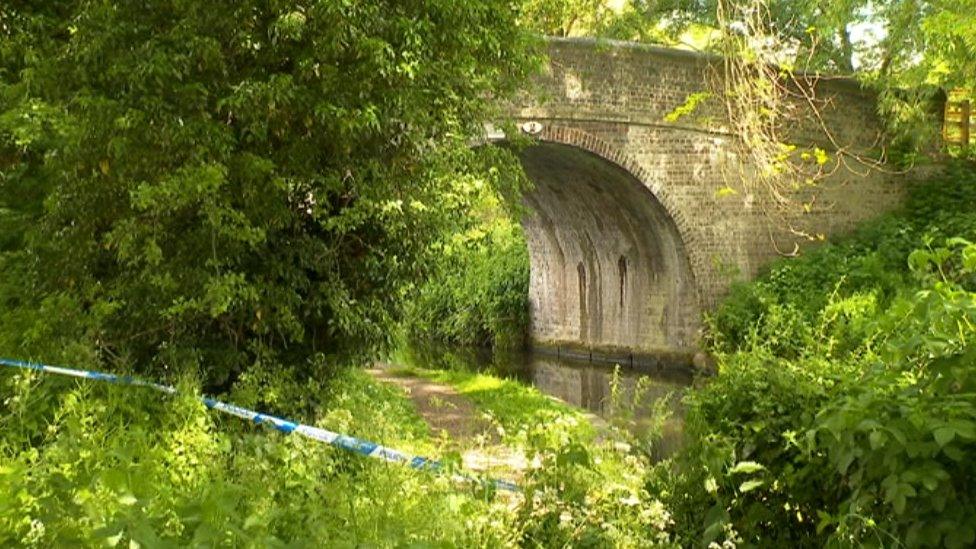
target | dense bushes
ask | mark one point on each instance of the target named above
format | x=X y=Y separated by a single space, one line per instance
x=85 y=464
x=211 y=188
x=843 y=411
x=478 y=291
x=789 y=308
x=901 y=440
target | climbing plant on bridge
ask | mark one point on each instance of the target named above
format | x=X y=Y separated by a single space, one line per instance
x=774 y=55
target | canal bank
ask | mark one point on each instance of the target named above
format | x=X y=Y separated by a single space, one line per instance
x=643 y=403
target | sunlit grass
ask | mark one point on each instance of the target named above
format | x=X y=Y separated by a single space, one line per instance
x=514 y=406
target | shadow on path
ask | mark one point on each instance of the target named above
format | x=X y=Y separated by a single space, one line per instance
x=451 y=414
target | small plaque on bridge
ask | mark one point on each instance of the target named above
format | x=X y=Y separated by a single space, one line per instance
x=532 y=127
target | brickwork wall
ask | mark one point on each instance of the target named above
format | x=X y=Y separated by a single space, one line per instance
x=611 y=99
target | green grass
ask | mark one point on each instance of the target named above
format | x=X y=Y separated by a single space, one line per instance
x=88 y=464
x=515 y=406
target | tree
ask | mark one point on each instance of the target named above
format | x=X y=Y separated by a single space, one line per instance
x=564 y=17
x=907 y=50
x=223 y=184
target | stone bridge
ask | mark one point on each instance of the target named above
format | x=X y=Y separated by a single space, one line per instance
x=630 y=239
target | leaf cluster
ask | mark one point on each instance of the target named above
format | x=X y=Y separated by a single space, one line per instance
x=184 y=186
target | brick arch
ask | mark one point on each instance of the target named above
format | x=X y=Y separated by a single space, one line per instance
x=576 y=137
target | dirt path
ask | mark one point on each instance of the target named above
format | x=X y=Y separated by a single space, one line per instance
x=440 y=405
x=450 y=413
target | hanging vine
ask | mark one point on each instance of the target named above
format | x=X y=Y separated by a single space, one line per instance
x=767 y=93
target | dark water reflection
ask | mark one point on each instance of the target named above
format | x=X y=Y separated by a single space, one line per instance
x=644 y=401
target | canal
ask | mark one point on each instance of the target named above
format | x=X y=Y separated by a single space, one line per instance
x=643 y=400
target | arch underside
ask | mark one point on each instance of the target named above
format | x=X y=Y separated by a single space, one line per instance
x=609 y=270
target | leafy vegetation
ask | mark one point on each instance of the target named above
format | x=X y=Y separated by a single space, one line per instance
x=211 y=188
x=249 y=199
x=94 y=465
x=832 y=293
x=843 y=411
x=477 y=290
x=89 y=464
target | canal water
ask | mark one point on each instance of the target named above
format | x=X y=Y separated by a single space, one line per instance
x=646 y=401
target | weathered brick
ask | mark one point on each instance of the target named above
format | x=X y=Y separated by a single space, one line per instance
x=629 y=240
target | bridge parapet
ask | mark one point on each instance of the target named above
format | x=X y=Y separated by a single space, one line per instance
x=639 y=84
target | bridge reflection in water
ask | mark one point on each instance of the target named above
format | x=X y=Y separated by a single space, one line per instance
x=642 y=400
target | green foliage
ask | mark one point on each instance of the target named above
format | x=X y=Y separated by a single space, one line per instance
x=824 y=300
x=84 y=464
x=903 y=438
x=691 y=104
x=477 y=292
x=88 y=464
x=754 y=412
x=843 y=412
x=564 y=17
x=586 y=495
x=211 y=188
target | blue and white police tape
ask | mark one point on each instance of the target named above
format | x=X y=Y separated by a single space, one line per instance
x=352 y=444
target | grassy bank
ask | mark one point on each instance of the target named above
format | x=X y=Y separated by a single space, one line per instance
x=83 y=463
x=88 y=464
x=515 y=407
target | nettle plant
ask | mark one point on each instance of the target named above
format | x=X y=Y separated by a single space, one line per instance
x=844 y=406
x=903 y=439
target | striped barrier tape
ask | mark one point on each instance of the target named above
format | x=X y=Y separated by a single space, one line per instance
x=352 y=444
